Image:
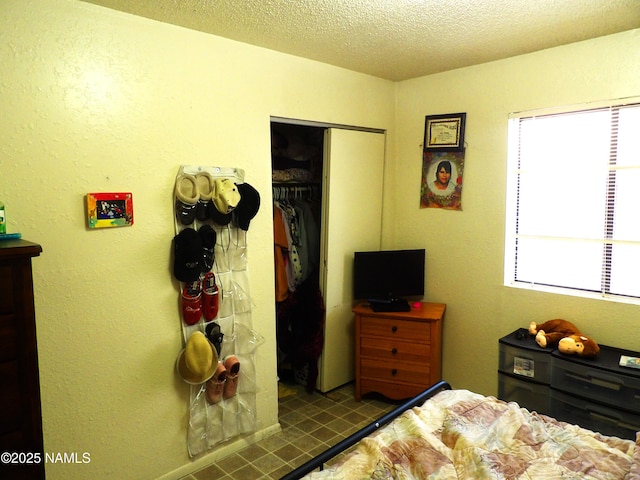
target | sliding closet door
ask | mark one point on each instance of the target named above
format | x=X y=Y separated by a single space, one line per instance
x=352 y=218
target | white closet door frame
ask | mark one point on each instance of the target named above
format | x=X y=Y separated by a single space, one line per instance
x=351 y=221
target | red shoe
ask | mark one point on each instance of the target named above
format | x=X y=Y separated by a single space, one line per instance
x=192 y=302
x=215 y=386
x=232 y=365
x=211 y=299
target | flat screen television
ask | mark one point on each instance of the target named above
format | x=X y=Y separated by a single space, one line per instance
x=386 y=278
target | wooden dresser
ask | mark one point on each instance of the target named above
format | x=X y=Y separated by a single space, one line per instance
x=398 y=354
x=20 y=417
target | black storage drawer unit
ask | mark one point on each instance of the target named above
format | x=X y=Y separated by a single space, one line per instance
x=595 y=393
x=594 y=416
x=520 y=355
x=524 y=371
x=530 y=395
x=600 y=379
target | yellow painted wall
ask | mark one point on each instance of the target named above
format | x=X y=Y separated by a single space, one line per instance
x=94 y=100
x=465 y=249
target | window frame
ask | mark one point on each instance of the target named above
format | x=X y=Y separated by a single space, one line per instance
x=512 y=205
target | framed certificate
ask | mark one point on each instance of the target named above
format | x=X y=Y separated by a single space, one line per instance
x=444 y=132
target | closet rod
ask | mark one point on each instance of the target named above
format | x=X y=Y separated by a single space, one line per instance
x=295 y=184
x=283 y=191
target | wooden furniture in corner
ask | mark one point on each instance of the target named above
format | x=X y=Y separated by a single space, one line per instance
x=398 y=354
x=20 y=414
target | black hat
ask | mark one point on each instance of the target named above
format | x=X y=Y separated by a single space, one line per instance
x=187 y=255
x=218 y=218
x=247 y=207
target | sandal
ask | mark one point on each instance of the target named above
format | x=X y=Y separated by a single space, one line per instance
x=215 y=386
x=232 y=366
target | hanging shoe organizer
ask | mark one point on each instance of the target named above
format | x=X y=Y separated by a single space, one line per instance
x=213 y=207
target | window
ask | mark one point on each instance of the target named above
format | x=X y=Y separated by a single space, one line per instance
x=573 y=203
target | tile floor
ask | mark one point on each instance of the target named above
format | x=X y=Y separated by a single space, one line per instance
x=310 y=424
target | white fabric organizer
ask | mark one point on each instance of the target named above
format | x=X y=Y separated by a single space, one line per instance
x=210 y=424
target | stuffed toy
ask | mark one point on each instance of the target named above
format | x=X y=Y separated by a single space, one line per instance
x=566 y=335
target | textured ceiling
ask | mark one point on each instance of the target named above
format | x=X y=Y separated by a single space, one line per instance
x=395 y=39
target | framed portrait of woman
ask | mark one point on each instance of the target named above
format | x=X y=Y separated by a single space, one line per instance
x=441 y=185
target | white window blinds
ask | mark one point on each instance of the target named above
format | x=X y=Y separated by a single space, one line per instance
x=573 y=205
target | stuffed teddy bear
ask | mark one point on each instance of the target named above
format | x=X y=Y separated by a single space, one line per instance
x=566 y=335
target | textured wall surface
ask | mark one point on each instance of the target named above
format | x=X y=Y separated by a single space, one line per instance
x=465 y=249
x=95 y=100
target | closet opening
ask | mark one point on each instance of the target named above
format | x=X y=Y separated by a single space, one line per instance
x=297 y=159
x=328 y=193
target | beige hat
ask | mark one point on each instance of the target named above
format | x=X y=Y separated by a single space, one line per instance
x=205 y=182
x=187 y=189
x=226 y=195
x=197 y=362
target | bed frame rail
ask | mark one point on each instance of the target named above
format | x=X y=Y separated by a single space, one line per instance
x=319 y=461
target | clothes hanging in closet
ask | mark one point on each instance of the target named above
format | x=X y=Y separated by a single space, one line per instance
x=281 y=255
x=300 y=307
x=300 y=329
x=298 y=258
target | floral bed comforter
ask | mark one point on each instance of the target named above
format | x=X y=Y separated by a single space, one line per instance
x=458 y=434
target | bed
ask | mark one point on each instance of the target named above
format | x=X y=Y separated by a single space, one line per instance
x=457 y=434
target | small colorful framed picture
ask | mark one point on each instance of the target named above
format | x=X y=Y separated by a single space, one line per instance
x=109 y=210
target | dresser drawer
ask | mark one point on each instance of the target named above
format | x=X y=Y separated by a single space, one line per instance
x=11 y=400
x=9 y=337
x=521 y=355
x=392 y=350
x=396 y=329
x=594 y=416
x=7 y=290
x=395 y=372
x=530 y=395
x=526 y=363
x=396 y=391
x=604 y=385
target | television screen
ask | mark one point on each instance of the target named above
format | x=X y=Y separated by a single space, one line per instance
x=388 y=274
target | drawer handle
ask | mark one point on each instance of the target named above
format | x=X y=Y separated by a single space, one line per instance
x=612 y=420
x=394 y=350
x=394 y=329
x=600 y=382
x=394 y=372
